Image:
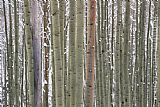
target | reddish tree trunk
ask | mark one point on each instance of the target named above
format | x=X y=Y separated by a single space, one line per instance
x=90 y=59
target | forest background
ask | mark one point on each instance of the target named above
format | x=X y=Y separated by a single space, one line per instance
x=80 y=53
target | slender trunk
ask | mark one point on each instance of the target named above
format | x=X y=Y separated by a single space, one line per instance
x=79 y=52
x=53 y=72
x=53 y=66
x=29 y=50
x=117 y=53
x=71 y=68
x=112 y=57
x=11 y=94
x=158 y=55
x=62 y=38
x=136 y=93
x=101 y=54
x=148 y=60
x=57 y=54
x=26 y=74
x=108 y=64
x=154 y=64
x=5 y=84
x=90 y=59
x=98 y=89
x=7 y=55
x=46 y=52
x=23 y=71
x=104 y=52
x=65 y=57
x=16 y=62
x=142 y=51
x=125 y=66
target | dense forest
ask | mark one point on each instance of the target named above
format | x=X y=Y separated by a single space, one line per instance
x=79 y=53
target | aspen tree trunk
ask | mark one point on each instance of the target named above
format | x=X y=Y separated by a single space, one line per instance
x=142 y=51
x=122 y=70
x=117 y=53
x=90 y=59
x=100 y=54
x=65 y=63
x=26 y=75
x=139 y=70
x=112 y=57
x=104 y=52
x=16 y=62
x=23 y=71
x=108 y=99
x=59 y=89
x=53 y=71
x=29 y=50
x=132 y=62
x=148 y=60
x=46 y=51
x=5 y=84
x=154 y=64
x=137 y=57
x=158 y=55
x=150 y=83
x=11 y=94
x=7 y=55
x=125 y=66
x=98 y=88
x=79 y=51
x=53 y=64
x=144 y=81
x=71 y=68
x=100 y=22
x=85 y=40
x=36 y=44
x=62 y=38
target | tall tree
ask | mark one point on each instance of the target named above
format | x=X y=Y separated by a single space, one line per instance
x=16 y=62
x=125 y=57
x=112 y=55
x=158 y=58
x=97 y=49
x=154 y=38
x=148 y=60
x=36 y=44
x=62 y=38
x=90 y=58
x=137 y=56
x=71 y=69
x=104 y=51
x=7 y=55
x=10 y=52
x=117 y=52
x=79 y=51
x=46 y=51
x=158 y=53
x=29 y=50
x=53 y=71
x=142 y=52
x=59 y=87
